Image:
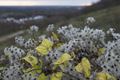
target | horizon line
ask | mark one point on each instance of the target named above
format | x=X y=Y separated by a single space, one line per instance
x=42 y=5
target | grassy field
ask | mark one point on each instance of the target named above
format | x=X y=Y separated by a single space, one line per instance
x=105 y=19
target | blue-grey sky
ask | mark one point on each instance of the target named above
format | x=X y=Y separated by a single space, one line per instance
x=46 y=2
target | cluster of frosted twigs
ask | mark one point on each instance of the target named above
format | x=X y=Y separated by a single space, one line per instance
x=64 y=53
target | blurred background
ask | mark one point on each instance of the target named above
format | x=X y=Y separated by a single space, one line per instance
x=19 y=15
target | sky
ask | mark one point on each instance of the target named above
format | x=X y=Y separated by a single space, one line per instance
x=46 y=2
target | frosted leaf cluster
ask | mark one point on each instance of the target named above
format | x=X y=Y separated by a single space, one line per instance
x=111 y=59
x=20 y=40
x=29 y=43
x=14 y=53
x=25 y=43
x=13 y=72
x=34 y=28
x=42 y=37
x=90 y=20
x=69 y=32
x=50 y=27
x=47 y=54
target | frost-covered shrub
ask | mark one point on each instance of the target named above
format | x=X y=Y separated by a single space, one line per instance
x=90 y=20
x=69 y=31
x=29 y=43
x=50 y=27
x=25 y=43
x=20 y=40
x=42 y=37
x=34 y=28
x=67 y=53
x=13 y=72
x=14 y=53
x=111 y=59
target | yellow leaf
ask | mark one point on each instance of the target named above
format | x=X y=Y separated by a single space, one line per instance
x=84 y=67
x=31 y=59
x=46 y=43
x=104 y=76
x=42 y=77
x=101 y=51
x=79 y=68
x=54 y=36
x=65 y=57
x=57 y=76
x=44 y=47
x=35 y=69
x=110 y=77
x=43 y=50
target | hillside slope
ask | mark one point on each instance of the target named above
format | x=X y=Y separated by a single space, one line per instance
x=106 y=18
